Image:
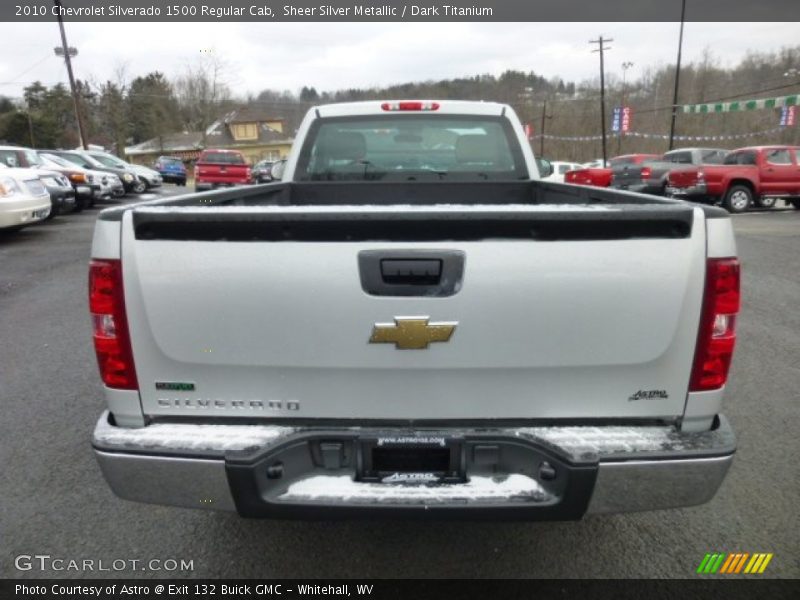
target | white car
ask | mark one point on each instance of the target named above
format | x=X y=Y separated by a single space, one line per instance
x=23 y=198
x=148 y=178
x=559 y=170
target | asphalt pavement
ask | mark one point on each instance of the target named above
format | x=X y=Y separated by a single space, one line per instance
x=53 y=500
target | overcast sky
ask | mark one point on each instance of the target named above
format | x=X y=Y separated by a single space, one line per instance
x=334 y=56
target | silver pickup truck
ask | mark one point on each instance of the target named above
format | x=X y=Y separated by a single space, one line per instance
x=411 y=323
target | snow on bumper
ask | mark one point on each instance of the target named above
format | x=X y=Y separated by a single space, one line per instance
x=516 y=473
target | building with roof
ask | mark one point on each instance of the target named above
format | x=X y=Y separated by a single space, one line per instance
x=256 y=133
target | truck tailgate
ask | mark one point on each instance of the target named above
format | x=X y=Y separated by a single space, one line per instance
x=222 y=173
x=262 y=312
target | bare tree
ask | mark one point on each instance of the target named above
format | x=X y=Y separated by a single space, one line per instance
x=203 y=92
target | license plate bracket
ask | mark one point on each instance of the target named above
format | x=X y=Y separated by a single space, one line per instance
x=411 y=459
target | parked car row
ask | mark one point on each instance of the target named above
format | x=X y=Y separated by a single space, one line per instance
x=41 y=184
x=737 y=179
x=759 y=175
x=215 y=168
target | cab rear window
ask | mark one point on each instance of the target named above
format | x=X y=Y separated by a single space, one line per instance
x=410 y=148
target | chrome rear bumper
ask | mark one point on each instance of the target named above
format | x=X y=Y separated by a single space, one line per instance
x=604 y=469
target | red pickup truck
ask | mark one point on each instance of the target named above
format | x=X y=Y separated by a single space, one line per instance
x=600 y=177
x=220 y=168
x=760 y=174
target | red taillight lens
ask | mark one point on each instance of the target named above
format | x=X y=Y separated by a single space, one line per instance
x=410 y=106
x=112 y=342
x=717 y=335
x=646 y=172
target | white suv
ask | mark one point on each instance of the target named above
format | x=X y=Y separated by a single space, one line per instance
x=23 y=198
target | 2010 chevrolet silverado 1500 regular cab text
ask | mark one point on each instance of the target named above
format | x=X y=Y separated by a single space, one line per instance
x=411 y=323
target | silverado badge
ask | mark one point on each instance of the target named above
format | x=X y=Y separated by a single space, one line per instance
x=412 y=333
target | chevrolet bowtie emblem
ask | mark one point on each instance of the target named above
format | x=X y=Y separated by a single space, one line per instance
x=412 y=333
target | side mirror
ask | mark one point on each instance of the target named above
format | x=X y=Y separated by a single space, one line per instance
x=545 y=167
x=277 y=169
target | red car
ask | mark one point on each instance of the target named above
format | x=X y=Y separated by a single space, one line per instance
x=601 y=177
x=760 y=174
x=220 y=168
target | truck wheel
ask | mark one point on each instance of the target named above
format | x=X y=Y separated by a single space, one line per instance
x=766 y=202
x=738 y=199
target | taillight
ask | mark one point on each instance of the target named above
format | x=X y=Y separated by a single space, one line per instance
x=646 y=172
x=112 y=342
x=716 y=337
x=410 y=106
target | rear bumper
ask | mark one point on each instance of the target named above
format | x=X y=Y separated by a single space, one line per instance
x=532 y=473
x=641 y=188
x=173 y=177
x=212 y=185
x=691 y=192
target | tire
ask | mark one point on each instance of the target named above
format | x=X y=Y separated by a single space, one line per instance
x=766 y=202
x=796 y=203
x=738 y=199
x=140 y=187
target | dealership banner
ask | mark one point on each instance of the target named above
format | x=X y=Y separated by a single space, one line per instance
x=788 y=114
x=616 y=118
x=743 y=105
x=621 y=119
x=663 y=136
x=400 y=10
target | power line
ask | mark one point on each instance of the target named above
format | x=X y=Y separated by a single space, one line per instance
x=25 y=72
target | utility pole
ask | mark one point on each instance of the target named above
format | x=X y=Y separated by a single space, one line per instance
x=68 y=53
x=625 y=66
x=677 y=79
x=541 y=129
x=601 y=48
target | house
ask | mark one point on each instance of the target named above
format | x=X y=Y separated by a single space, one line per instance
x=255 y=132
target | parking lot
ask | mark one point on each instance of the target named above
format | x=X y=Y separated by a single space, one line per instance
x=55 y=502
